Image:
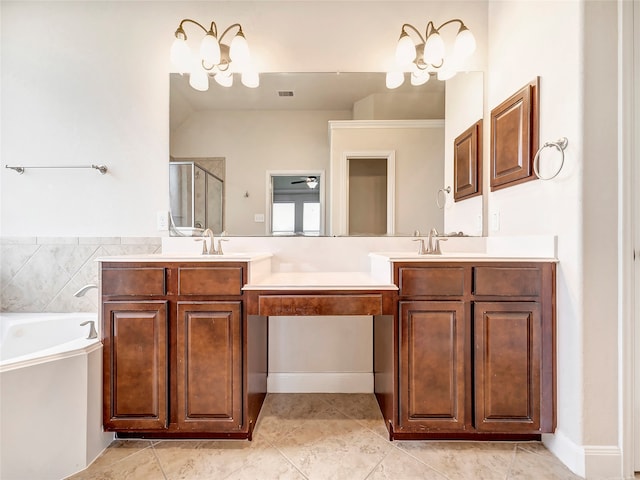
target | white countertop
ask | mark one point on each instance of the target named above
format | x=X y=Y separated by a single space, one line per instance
x=456 y=257
x=186 y=257
x=319 y=281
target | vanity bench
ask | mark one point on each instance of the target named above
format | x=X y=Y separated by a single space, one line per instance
x=463 y=348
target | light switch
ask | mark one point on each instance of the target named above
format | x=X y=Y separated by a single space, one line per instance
x=495 y=222
x=162 y=220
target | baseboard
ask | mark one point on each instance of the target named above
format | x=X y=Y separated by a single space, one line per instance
x=320 y=382
x=603 y=462
x=567 y=451
x=597 y=462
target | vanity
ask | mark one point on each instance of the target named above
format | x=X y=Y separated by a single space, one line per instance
x=463 y=345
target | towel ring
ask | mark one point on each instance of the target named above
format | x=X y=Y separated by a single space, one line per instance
x=444 y=194
x=560 y=145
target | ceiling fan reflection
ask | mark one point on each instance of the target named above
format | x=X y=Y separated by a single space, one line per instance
x=312 y=182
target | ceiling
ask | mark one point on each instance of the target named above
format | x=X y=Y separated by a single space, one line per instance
x=310 y=91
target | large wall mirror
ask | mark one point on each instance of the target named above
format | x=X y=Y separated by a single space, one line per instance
x=323 y=123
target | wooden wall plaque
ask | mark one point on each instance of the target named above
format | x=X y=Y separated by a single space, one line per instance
x=514 y=137
x=467 y=163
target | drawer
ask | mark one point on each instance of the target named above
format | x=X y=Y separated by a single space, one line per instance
x=447 y=281
x=313 y=305
x=134 y=281
x=210 y=281
x=507 y=281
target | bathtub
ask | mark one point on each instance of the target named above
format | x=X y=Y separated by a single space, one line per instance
x=50 y=395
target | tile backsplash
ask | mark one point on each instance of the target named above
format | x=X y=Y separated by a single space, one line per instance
x=41 y=274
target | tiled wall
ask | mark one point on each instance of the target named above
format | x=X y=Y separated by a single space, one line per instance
x=41 y=274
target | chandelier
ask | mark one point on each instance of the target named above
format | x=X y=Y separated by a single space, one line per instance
x=426 y=56
x=214 y=58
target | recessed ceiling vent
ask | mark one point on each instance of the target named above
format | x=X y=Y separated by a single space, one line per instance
x=285 y=93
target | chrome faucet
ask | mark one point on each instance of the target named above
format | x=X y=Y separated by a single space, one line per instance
x=433 y=233
x=83 y=290
x=421 y=249
x=212 y=248
x=220 y=240
x=434 y=243
x=92 y=329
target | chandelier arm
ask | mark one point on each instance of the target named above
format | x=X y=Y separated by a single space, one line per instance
x=224 y=63
x=408 y=25
x=427 y=31
x=214 y=29
x=229 y=28
x=190 y=21
x=450 y=21
x=205 y=67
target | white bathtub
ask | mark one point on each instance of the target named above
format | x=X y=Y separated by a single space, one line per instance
x=50 y=395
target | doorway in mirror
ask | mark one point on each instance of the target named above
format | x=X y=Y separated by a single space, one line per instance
x=295 y=203
x=367 y=196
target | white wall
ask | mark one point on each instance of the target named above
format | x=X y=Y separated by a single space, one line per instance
x=464 y=107
x=559 y=41
x=87 y=82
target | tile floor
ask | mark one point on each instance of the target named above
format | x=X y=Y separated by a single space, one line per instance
x=323 y=436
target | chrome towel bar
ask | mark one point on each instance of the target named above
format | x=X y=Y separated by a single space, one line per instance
x=20 y=169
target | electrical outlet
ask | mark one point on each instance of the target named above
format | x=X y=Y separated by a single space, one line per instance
x=162 y=220
x=479 y=223
x=258 y=217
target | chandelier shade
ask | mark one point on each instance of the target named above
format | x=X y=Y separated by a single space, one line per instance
x=215 y=58
x=426 y=55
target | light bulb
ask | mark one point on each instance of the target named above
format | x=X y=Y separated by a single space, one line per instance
x=434 y=49
x=239 y=49
x=181 y=55
x=250 y=78
x=224 y=78
x=465 y=43
x=394 y=79
x=210 y=50
x=198 y=79
x=405 y=50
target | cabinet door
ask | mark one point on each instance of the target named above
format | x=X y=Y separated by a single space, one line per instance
x=507 y=366
x=209 y=369
x=135 y=365
x=432 y=366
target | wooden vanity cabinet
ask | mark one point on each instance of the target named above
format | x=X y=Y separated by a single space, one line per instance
x=433 y=379
x=136 y=387
x=173 y=339
x=476 y=349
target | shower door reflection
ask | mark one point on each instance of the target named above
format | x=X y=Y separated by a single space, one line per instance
x=196 y=198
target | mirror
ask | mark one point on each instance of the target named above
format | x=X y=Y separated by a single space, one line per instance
x=283 y=126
